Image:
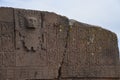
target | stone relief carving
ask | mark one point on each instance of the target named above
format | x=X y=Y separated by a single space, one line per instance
x=29 y=31
x=32 y=22
x=47 y=46
x=6 y=37
x=31 y=39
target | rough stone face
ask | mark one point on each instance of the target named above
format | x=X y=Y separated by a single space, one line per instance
x=36 y=45
x=91 y=52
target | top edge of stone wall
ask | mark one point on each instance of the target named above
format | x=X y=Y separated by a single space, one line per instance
x=70 y=20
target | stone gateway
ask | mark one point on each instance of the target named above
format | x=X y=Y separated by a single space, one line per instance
x=39 y=45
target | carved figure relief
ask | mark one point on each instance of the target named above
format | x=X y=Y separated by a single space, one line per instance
x=29 y=31
x=45 y=46
x=31 y=40
x=32 y=22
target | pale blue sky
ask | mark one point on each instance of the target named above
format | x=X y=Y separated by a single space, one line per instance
x=105 y=13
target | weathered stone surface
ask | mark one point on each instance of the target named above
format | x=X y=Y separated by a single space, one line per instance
x=91 y=52
x=6 y=15
x=36 y=45
x=40 y=45
x=7 y=36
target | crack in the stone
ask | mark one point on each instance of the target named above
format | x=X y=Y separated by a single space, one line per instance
x=61 y=64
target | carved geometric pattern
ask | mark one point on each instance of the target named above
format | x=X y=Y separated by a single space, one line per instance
x=6 y=37
x=9 y=59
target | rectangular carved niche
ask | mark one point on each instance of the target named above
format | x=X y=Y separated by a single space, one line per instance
x=28 y=30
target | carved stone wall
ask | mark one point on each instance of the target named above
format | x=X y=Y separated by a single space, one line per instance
x=36 y=45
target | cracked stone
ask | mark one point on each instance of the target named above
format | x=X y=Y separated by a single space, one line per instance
x=39 y=45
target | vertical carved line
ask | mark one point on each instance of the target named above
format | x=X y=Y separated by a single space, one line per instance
x=42 y=30
x=14 y=23
x=42 y=15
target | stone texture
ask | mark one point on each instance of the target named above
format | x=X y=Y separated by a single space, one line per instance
x=37 y=45
x=7 y=37
x=6 y=15
x=91 y=52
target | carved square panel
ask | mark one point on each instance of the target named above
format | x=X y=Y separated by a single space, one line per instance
x=21 y=74
x=9 y=59
x=10 y=74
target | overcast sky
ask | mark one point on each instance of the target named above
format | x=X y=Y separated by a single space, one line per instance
x=105 y=13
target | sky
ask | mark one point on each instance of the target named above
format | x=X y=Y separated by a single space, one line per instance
x=104 y=13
